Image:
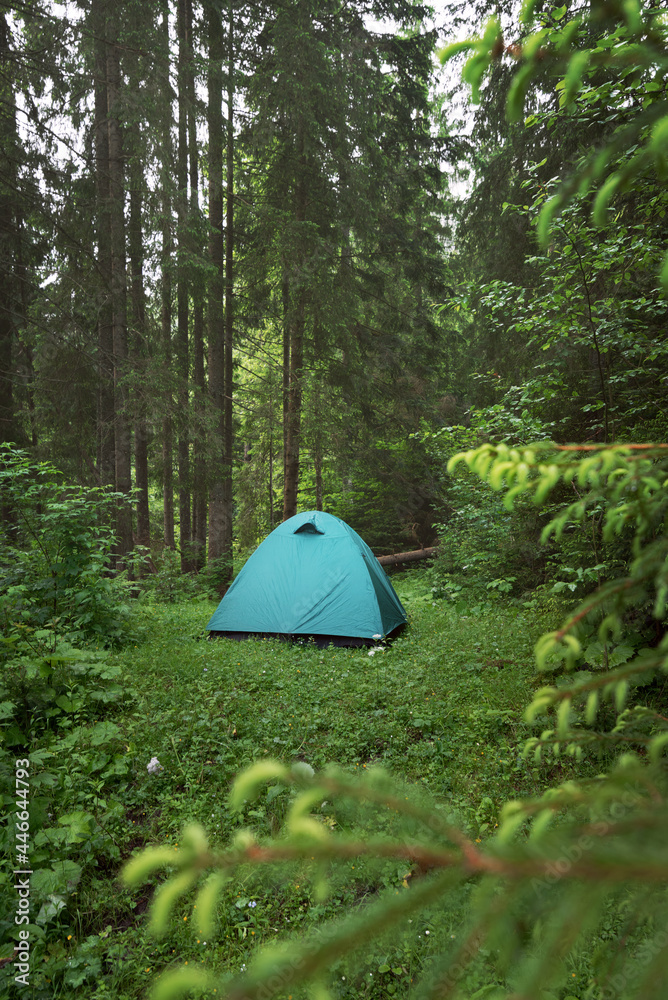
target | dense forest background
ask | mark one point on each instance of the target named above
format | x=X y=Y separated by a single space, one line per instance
x=270 y=256
x=263 y=257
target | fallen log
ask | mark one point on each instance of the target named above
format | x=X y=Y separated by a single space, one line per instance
x=402 y=557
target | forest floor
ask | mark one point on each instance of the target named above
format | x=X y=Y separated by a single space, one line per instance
x=440 y=709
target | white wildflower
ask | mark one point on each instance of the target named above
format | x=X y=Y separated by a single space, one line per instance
x=301 y=768
x=154 y=766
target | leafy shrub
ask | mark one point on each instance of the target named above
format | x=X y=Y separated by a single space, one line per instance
x=54 y=703
x=56 y=545
x=59 y=608
x=481 y=542
x=41 y=691
x=168 y=582
x=77 y=773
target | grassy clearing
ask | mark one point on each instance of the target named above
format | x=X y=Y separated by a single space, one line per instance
x=442 y=705
x=440 y=708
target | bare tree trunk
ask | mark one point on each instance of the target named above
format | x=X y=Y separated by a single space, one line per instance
x=7 y=237
x=8 y=221
x=105 y=332
x=285 y=371
x=317 y=438
x=199 y=413
x=23 y=306
x=317 y=458
x=31 y=402
x=166 y=289
x=295 y=330
x=294 y=409
x=139 y=348
x=228 y=445
x=199 y=525
x=122 y=432
x=271 y=450
x=139 y=341
x=167 y=424
x=182 y=292
x=216 y=288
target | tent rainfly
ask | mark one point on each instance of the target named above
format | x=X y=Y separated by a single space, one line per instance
x=312 y=576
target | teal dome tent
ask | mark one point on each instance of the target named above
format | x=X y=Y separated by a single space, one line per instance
x=312 y=576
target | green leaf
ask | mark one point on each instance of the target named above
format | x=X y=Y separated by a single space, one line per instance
x=44 y=881
x=633 y=14
x=247 y=786
x=603 y=199
x=165 y=899
x=184 y=983
x=663 y=276
x=140 y=867
x=573 y=78
x=517 y=93
x=527 y=12
x=79 y=824
x=659 y=139
x=546 y=218
x=454 y=49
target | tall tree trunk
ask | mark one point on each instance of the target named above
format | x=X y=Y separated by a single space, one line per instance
x=228 y=445
x=166 y=251
x=317 y=461
x=215 y=318
x=316 y=436
x=32 y=413
x=294 y=407
x=166 y=332
x=122 y=431
x=8 y=149
x=105 y=332
x=271 y=449
x=139 y=340
x=296 y=314
x=182 y=291
x=285 y=370
x=199 y=411
x=199 y=525
x=24 y=282
x=139 y=346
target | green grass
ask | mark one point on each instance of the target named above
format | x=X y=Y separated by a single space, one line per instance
x=440 y=709
x=440 y=705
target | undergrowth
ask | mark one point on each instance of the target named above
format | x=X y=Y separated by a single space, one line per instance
x=440 y=708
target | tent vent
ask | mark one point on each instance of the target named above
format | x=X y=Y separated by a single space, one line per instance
x=309 y=526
